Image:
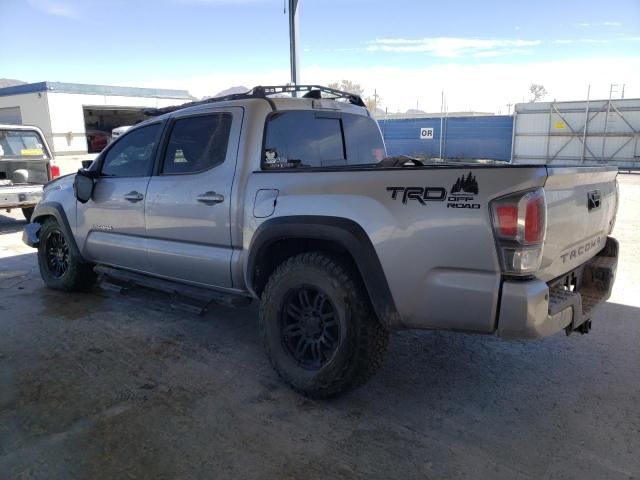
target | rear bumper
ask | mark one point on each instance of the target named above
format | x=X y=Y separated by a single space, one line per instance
x=20 y=196
x=534 y=309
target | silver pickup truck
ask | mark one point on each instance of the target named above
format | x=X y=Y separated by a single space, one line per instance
x=25 y=166
x=292 y=201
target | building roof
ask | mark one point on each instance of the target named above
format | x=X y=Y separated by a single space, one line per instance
x=417 y=116
x=88 y=89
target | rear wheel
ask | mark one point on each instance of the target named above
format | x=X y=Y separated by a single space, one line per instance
x=28 y=212
x=318 y=327
x=60 y=267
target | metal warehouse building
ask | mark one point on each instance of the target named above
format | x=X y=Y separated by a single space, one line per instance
x=67 y=112
x=588 y=132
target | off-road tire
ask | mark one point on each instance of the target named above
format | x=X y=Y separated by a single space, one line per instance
x=28 y=212
x=78 y=276
x=363 y=339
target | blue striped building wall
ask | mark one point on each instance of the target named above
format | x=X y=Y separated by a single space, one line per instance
x=486 y=137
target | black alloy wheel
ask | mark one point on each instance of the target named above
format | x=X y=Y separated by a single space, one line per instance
x=57 y=252
x=309 y=326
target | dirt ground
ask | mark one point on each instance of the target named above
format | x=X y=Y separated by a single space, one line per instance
x=106 y=386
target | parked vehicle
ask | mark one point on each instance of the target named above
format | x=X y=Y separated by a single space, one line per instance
x=97 y=140
x=116 y=132
x=25 y=165
x=290 y=201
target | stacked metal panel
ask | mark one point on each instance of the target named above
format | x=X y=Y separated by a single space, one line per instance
x=592 y=132
x=463 y=138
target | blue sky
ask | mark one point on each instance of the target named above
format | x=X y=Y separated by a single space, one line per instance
x=478 y=52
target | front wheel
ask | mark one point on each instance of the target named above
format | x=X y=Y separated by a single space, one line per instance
x=60 y=267
x=318 y=326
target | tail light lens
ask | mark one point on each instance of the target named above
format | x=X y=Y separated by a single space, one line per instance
x=54 y=171
x=519 y=223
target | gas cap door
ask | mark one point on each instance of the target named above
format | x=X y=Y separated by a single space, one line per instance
x=265 y=202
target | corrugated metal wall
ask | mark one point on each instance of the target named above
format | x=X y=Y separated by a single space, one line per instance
x=578 y=133
x=473 y=137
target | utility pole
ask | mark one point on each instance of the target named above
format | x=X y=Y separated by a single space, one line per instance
x=509 y=105
x=293 y=42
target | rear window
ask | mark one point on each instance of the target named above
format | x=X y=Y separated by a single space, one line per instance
x=298 y=139
x=22 y=144
x=197 y=143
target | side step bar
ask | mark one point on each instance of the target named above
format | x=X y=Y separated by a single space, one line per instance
x=185 y=296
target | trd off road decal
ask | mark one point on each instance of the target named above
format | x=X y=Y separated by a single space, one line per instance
x=461 y=195
x=420 y=194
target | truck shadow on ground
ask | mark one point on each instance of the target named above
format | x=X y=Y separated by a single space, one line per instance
x=10 y=224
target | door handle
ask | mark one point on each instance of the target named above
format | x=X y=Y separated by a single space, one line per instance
x=210 y=198
x=134 y=196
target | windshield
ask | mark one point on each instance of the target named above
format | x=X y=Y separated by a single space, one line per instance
x=23 y=144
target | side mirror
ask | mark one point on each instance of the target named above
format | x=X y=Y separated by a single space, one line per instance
x=86 y=164
x=83 y=185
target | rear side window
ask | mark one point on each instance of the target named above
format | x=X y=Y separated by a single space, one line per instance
x=297 y=139
x=364 y=141
x=197 y=143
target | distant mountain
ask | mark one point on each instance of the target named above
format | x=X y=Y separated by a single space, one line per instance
x=414 y=111
x=231 y=91
x=10 y=82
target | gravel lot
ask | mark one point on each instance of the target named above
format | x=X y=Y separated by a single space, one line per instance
x=105 y=385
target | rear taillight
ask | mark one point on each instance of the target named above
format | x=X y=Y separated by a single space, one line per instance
x=519 y=223
x=54 y=171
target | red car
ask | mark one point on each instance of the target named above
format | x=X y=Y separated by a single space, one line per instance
x=97 y=140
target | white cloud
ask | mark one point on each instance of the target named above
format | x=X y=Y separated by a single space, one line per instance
x=600 y=24
x=218 y=2
x=57 y=8
x=580 y=40
x=488 y=87
x=449 y=47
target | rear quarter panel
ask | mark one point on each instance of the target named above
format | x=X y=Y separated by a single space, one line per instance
x=439 y=260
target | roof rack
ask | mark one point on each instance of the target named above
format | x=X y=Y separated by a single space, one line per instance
x=313 y=91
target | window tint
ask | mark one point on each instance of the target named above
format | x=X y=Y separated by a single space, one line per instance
x=364 y=141
x=314 y=139
x=197 y=143
x=303 y=139
x=132 y=155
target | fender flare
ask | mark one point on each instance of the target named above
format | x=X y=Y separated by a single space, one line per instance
x=344 y=232
x=55 y=210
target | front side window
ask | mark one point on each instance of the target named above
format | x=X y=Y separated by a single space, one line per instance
x=132 y=155
x=317 y=139
x=197 y=143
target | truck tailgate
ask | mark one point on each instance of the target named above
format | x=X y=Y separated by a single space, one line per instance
x=581 y=208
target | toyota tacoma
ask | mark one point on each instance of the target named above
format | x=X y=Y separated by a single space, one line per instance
x=293 y=202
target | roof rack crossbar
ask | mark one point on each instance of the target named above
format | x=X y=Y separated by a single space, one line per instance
x=262 y=91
